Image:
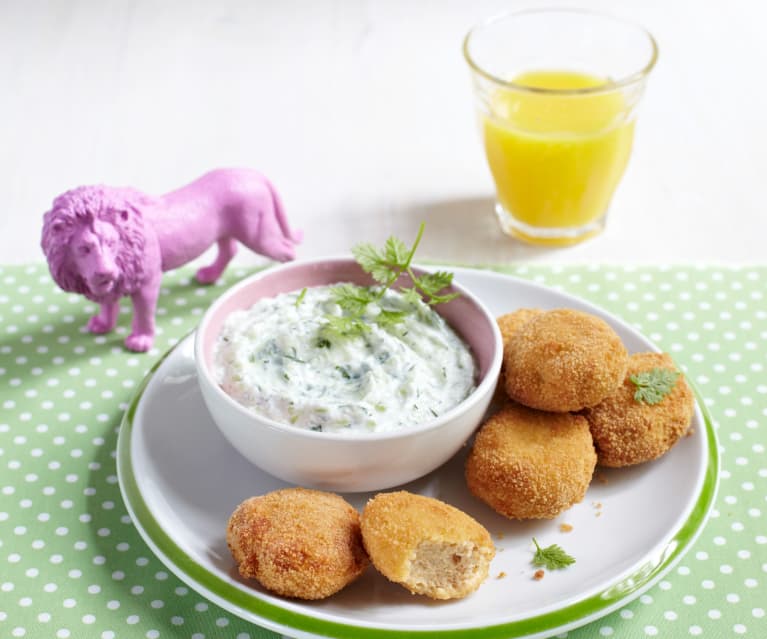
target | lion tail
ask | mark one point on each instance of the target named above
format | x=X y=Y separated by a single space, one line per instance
x=279 y=210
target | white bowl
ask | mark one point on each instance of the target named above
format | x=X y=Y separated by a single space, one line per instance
x=339 y=461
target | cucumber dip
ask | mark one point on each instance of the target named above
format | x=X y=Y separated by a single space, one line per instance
x=274 y=360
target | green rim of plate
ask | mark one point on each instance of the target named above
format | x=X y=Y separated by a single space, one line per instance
x=568 y=617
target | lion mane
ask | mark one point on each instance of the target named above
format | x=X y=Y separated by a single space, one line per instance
x=81 y=206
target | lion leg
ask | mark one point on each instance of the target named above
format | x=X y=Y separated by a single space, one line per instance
x=144 y=307
x=106 y=319
x=227 y=247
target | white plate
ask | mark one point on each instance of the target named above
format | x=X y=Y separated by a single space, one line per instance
x=181 y=480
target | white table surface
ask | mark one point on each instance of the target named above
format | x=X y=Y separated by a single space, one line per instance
x=361 y=113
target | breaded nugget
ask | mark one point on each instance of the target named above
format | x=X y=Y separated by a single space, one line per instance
x=427 y=546
x=628 y=432
x=563 y=360
x=527 y=464
x=297 y=542
x=510 y=323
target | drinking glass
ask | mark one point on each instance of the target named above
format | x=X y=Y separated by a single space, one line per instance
x=557 y=92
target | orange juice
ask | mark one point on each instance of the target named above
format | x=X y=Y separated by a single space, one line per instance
x=556 y=158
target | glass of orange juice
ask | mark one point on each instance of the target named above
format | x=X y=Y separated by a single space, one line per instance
x=557 y=92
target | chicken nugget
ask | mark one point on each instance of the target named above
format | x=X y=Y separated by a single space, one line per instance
x=627 y=431
x=297 y=542
x=528 y=464
x=563 y=360
x=510 y=323
x=427 y=546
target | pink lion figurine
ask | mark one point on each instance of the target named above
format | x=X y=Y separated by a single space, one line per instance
x=106 y=242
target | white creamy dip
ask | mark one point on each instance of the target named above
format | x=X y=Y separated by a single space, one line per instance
x=271 y=359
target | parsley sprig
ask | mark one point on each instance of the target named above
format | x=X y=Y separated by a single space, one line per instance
x=385 y=266
x=388 y=264
x=654 y=385
x=552 y=557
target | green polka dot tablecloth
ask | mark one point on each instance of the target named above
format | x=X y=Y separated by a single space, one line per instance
x=73 y=565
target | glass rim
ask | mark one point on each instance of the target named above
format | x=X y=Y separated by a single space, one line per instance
x=610 y=85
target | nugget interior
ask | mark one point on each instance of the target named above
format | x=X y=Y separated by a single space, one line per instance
x=447 y=570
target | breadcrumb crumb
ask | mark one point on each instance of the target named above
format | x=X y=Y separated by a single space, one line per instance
x=538 y=575
x=565 y=528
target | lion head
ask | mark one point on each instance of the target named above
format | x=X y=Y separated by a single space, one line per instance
x=93 y=239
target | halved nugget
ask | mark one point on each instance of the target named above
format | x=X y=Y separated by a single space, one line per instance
x=627 y=431
x=426 y=545
x=528 y=464
x=563 y=360
x=297 y=542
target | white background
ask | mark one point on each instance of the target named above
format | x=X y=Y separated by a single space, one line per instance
x=361 y=113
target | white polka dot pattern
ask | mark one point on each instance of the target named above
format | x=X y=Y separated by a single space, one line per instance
x=72 y=565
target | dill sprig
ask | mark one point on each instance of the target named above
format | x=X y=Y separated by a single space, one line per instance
x=552 y=557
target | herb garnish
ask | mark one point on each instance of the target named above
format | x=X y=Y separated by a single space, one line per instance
x=551 y=557
x=385 y=265
x=301 y=297
x=654 y=385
